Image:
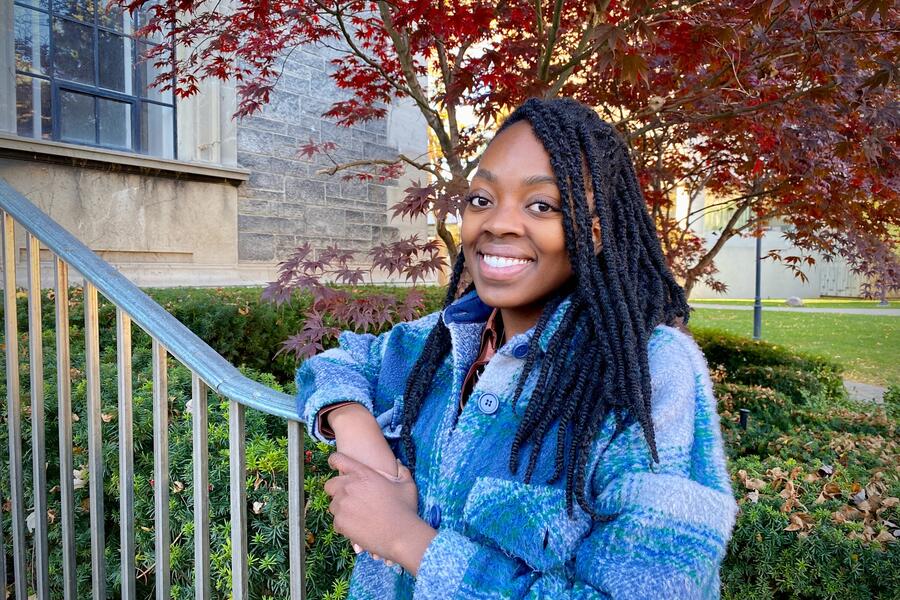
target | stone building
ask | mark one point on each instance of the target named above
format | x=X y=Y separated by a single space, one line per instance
x=178 y=192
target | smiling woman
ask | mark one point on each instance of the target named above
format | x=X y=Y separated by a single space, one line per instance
x=512 y=227
x=567 y=329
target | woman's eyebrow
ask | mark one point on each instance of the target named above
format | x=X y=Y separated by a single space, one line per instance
x=485 y=174
x=531 y=180
x=537 y=179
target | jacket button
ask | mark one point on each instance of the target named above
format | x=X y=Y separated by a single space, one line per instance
x=488 y=403
x=521 y=350
x=434 y=516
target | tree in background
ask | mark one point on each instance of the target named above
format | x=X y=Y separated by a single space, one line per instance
x=778 y=109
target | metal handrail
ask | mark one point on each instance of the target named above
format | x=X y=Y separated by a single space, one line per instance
x=169 y=336
x=180 y=341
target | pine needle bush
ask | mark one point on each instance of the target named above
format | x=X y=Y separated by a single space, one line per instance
x=815 y=475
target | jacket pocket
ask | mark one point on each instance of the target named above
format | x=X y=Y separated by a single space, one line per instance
x=526 y=521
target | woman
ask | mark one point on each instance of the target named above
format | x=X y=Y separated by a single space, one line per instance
x=561 y=436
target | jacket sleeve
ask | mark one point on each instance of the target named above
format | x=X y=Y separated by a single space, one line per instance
x=670 y=521
x=346 y=373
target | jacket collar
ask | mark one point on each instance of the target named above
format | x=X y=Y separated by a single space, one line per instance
x=470 y=309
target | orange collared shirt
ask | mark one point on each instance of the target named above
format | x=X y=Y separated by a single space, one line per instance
x=490 y=342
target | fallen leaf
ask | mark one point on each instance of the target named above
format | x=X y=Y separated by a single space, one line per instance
x=890 y=502
x=885 y=537
x=830 y=491
x=800 y=522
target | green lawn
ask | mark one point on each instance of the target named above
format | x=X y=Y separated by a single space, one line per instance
x=867 y=346
x=807 y=302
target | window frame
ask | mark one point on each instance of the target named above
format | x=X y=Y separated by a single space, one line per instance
x=58 y=84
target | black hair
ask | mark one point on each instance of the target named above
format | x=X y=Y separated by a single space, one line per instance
x=617 y=297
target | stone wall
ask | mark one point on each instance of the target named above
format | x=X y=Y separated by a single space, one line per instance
x=286 y=202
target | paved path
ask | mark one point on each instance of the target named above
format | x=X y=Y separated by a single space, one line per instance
x=864 y=392
x=878 y=312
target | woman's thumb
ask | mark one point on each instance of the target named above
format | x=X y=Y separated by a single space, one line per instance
x=403 y=473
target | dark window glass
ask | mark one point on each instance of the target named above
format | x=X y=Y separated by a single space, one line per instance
x=76 y=118
x=115 y=54
x=114 y=123
x=83 y=10
x=73 y=51
x=33 y=107
x=32 y=39
x=45 y=4
x=158 y=130
x=112 y=16
x=148 y=72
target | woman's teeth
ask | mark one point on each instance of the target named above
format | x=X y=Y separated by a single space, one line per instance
x=500 y=262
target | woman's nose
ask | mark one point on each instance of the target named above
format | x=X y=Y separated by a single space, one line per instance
x=505 y=219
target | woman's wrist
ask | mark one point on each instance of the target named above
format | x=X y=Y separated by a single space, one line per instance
x=410 y=546
x=346 y=416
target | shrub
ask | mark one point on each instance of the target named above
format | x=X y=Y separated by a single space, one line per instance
x=734 y=353
x=815 y=475
x=328 y=556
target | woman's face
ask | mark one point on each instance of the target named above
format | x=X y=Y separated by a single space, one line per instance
x=512 y=231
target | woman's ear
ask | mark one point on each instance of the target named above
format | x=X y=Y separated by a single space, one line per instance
x=595 y=233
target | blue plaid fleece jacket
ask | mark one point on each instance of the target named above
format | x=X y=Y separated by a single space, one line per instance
x=499 y=537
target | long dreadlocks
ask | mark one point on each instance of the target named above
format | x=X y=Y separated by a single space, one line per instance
x=617 y=297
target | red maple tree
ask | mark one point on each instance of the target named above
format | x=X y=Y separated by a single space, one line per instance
x=764 y=110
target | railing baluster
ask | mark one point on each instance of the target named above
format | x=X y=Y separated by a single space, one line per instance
x=296 y=526
x=38 y=449
x=64 y=394
x=126 y=454
x=14 y=419
x=238 y=487
x=95 y=441
x=161 y=468
x=199 y=419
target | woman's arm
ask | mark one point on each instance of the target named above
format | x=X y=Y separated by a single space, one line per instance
x=358 y=435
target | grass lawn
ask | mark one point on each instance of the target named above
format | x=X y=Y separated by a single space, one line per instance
x=807 y=302
x=867 y=346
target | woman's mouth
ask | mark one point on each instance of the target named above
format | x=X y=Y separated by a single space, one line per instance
x=501 y=267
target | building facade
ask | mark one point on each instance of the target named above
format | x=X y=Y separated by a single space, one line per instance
x=177 y=191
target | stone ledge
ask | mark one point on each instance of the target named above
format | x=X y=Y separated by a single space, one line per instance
x=19 y=148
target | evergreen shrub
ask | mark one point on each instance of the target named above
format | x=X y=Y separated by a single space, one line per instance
x=815 y=476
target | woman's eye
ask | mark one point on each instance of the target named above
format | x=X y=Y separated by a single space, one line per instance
x=542 y=207
x=478 y=201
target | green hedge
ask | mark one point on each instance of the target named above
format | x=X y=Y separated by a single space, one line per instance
x=803 y=437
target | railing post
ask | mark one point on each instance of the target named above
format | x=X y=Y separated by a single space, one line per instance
x=64 y=394
x=238 y=489
x=161 y=468
x=38 y=450
x=95 y=441
x=200 y=425
x=296 y=526
x=14 y=408
x=126 y=454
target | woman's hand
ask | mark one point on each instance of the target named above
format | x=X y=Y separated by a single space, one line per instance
x=377 y=513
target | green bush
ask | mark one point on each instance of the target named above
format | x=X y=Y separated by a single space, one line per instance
x=815 y=475
x=328 y=556
x=735 y=353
